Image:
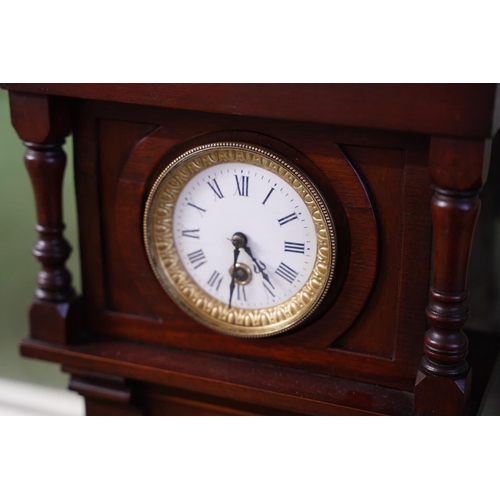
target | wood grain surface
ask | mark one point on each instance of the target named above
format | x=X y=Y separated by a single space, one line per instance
x=464 y=110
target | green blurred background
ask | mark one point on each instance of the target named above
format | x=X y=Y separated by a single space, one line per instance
x=18 y=267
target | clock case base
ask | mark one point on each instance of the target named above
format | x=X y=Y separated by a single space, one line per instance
x=130 y=378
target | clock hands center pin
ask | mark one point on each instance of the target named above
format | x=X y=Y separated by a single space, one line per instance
x=240 y=273
x=240 y=240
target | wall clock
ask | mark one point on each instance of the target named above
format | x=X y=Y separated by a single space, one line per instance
x=240 y=238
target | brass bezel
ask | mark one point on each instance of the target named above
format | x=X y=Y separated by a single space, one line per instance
x=175 y=279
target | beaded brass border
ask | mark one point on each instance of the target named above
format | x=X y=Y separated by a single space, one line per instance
x=176 y=281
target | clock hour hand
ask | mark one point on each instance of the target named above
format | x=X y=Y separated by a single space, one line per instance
x=233 y=274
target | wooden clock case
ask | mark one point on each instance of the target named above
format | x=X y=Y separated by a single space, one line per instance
x=394 y=163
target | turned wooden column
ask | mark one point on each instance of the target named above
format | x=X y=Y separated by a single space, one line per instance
x=42 y=122
x=443 y=380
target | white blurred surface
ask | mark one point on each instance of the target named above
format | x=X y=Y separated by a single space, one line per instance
x=21 y=398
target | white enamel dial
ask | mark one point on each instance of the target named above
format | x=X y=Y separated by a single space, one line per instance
x=240 y=239
x=226 y=199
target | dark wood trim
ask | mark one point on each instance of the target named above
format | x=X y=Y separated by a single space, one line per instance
x=461 y=110
x=220 y=376
x=456 y=172
x=55 y=311
x=104 y=394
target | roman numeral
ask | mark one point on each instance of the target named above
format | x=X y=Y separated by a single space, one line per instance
x=267 y=197
x=191 y=233
x=216 y=189
x=241 y=294
x=287 y=273
x=197 y=257
x=242 y=185
x=197 y=208
x=290 y=246
x=288 y=218
x=268 y=289
x=213 y=279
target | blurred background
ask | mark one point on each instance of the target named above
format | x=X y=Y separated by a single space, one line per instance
x=46 y=384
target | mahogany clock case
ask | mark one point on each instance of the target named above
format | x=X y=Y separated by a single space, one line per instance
x=413 y=159
x=372 y=324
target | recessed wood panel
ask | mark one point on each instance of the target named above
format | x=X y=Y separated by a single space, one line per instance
x=360 y=335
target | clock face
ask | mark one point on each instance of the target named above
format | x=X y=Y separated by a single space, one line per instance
x=240 y=239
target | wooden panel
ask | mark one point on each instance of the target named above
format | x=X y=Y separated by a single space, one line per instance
x=383 y=160
x=116 y=139
x=383 y=171
x=362 y=238
x=158 y=400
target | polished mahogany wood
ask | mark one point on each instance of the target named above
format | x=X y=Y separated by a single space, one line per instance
x=456 y=169
x=441 y=109
x=55 y=311
x=250 y=382
x=395 y=162
x=45 y=164
x=104 y=394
